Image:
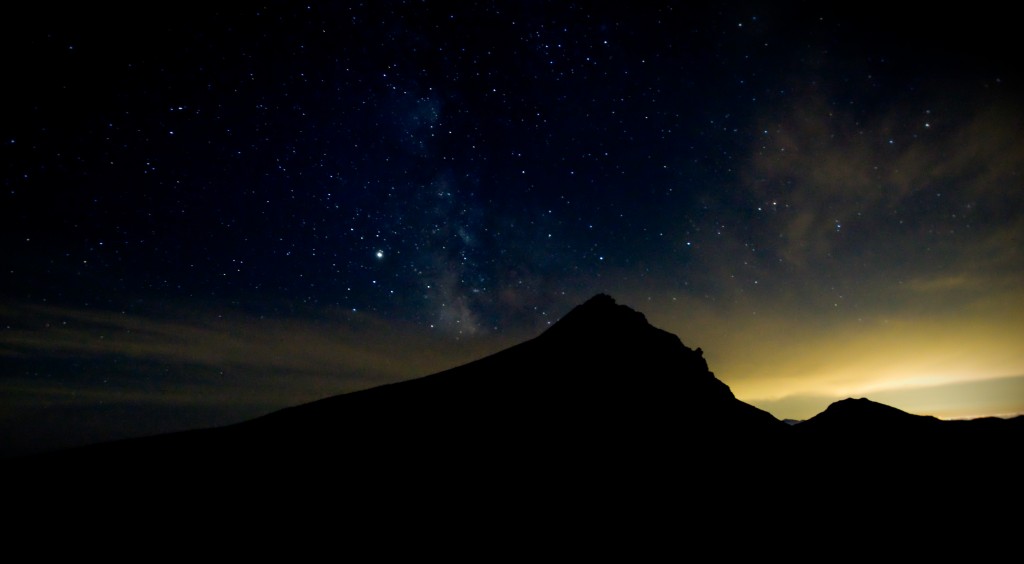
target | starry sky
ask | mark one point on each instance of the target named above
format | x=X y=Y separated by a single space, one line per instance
x=212 y=212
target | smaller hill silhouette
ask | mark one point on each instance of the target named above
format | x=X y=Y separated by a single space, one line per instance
x=865 y=416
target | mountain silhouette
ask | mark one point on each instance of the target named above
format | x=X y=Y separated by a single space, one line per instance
x=600 y=417
x=865 y=416
x=867 y=429
x=601 y=378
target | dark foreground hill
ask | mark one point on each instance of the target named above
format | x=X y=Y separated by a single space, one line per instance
x=599 y=380
x=601 y=419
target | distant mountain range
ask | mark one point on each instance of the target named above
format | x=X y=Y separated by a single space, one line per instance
x=601 y=410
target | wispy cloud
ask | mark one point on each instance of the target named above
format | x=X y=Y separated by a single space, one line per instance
x=304 y=356
x=823 y=168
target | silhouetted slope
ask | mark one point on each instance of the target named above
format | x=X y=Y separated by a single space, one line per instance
x=918 y=459
x=880 y=424
x=600 y=381
x=602 y=421
x=601 y=360
x=863 y=416
x=594 y=418
x=601 y=378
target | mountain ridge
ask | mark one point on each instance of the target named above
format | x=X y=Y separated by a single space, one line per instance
x=597 y=355
x=594 y=421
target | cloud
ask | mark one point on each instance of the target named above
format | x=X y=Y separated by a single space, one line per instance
x=285 y=359
x=908 y=176
x=72 y=376
x=946 y=283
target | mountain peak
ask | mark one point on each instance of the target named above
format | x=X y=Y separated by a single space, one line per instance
x=613 y=347
x=600 y=316
x=600 y=300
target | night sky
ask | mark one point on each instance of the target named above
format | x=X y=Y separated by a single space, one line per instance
x=209 y=213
